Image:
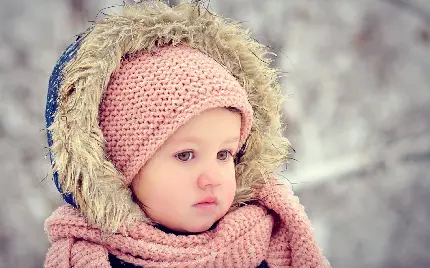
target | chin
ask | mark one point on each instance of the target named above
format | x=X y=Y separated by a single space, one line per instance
x=195 y=226
x=199 y=228
x=185 y=229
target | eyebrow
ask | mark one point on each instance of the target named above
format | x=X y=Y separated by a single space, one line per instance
x=232 y=140
x=197 y=140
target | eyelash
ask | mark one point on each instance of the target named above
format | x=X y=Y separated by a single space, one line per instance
x=177 y=155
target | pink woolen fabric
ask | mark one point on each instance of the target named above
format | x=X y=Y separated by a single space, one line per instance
x=243 y=238
x=153 y=93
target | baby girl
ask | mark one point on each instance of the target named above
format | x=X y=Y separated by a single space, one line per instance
x=164 y=135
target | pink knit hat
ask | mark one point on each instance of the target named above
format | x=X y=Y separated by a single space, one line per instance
x=153 y=93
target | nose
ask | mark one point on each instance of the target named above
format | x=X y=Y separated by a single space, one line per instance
x=211 y=176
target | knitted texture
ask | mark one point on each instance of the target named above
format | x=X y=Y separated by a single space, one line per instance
x=153 y=93
x=243 y=238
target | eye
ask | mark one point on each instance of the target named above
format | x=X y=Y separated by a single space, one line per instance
x=223 y=155
x=185 y=156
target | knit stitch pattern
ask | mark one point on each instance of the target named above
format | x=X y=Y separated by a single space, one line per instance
x=153 y=93
x=243 y=238
x=85 y=254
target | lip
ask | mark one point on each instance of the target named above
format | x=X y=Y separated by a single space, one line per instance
x=207 y=205
x=210 y=200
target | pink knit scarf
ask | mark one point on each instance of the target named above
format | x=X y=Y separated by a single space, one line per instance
x=277 y=231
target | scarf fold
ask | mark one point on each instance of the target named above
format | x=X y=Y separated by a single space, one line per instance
x=276 y=230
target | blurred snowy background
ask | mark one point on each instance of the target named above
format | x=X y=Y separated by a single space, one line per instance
x=357 y=74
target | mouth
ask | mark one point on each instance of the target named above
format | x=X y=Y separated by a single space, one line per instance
x=208 y=201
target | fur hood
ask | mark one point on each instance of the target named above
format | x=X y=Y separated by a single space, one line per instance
x=82 y=172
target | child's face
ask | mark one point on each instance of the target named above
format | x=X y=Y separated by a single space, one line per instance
x=194 y=165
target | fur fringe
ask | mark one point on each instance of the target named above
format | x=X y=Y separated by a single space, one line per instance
x=78 y=148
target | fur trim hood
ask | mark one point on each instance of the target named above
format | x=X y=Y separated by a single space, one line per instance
x=82 y=172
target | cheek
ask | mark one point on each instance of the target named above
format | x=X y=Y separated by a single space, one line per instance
x=139 y=190
x=230 y=182
x=158 y=188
